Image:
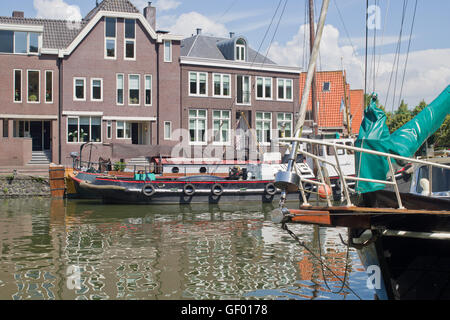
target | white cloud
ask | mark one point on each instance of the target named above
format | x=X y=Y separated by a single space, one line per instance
x=187 y=23
x=161 y=5
x=57 y=9
x=427 y=74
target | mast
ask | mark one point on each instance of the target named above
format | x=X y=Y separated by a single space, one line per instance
x=347 y=114
x=315 y=116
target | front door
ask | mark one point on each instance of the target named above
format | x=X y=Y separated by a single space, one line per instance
x=36 y=135
x=135 y=133
x=47 y=135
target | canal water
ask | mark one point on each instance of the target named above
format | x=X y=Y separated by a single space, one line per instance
x=73 y=249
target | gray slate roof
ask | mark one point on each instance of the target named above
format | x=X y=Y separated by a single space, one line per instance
x=113 y=5
x=201 y=46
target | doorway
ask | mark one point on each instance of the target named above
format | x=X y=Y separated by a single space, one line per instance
x=40 y=133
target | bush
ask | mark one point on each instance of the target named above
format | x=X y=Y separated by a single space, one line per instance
x=119 y=166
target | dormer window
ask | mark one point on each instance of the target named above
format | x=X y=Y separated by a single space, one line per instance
x=240 y=50
x=110 y=38
x=326 y=87
x=19 y=42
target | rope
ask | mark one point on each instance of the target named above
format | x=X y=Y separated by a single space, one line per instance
x=302 y=244
x=367 y=39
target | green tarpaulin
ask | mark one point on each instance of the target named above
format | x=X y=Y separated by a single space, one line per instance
x=405 y=141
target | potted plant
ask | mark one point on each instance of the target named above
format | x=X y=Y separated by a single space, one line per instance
x=32 y=98
x=74 y=136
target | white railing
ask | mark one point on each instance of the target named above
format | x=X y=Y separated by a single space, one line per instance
x=344 y=178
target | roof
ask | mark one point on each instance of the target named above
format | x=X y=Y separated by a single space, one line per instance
x=202 y=46
x=114 y=6
x=330 y=113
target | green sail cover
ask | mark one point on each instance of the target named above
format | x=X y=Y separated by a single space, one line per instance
x=405 y=141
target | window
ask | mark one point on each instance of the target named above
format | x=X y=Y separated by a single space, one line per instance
x=263 y=127
x=96 y=89
x=221 y=85
x=167 y=130
x=285 y=89
x=148 y=90
x=134 y=89
x=240 y=50
x=33 y=42
x=109 y=129
x=123 y=130
x=284 y=125
x=120 y=88
x=130 y=39
x=33 y=86
x=198 y=83
x=243 y=89
x=48 y=86
x=197 y=126
x=17 y=85
x=20 y=42
x=6 y=41
x=79 y=89
x=263 y=88
x=110 y=38
x=326 y=87
x=5 y=128
x=221 y=126
x=167 y=51
x=84 y=129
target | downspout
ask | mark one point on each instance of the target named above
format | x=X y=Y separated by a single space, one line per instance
x=60 y=98
x=157 y=95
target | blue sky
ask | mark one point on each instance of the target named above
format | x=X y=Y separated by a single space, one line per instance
x=428 y=69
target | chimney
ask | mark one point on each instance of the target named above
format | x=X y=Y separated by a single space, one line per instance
x=150 y=15
x=18 y=14
x=231 y=35
x=199 y=31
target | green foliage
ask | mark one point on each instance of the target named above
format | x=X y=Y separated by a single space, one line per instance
x=443 y=135
x=119 y=166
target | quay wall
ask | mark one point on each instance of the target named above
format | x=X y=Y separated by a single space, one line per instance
x=24 y=186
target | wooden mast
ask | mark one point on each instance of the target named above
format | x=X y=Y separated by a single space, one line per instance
x=315 y=115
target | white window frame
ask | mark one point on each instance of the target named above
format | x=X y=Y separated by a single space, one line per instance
x=240 y=49
x=78 y=129
x=123 y=89
x=165 y=50
x=92 y=89
x=139 y=88
x=53 y=92
x=284 y=89
x=198 y=84
x=222 y=143
x=196 y=142
x=249 y=103
x=28 y=76
x=125 y=124
x=151 y=90
x=221 y=95
x=284 y=120
x=14 y=85
x=111 y=38
x=264 y=88
x=109 y=129
x=170 y=134
x=264 y=143
x=125 y=39
x=75 y=89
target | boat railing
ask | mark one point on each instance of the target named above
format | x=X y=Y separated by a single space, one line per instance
x=344 y=178
x=135 y=168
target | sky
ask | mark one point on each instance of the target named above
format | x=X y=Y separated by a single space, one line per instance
x=277 y=28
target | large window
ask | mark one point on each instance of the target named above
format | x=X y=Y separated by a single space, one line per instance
x=33 y=42
x=110 y=38
x=243 y=89
x=123 y=130
x=120 y=88
x=263 y=88
x=33 y=86
x=198 y=83
x=17 y=85
x=221 y=85
x=284 y=125
x=79 y=89
x=285 y=89
x=263 y=127
x=221 y=126
x=6 y=41
x=84 y=129
x=49 y=86
x=96 y=89
x=167 y=51
x=19 y=42
x=134 y=89
x=197 y=126
x=130 y=39
x=240 y=50
x=148 y=90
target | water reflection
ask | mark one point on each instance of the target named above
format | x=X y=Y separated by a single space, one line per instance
x=85 y=250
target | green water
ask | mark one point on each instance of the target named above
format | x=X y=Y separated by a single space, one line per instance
x=86 y=250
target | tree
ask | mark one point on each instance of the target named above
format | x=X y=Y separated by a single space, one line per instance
x=443 y=135
x=400 y=117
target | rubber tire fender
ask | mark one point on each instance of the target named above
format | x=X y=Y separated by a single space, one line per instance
x=270 y=189
x=217 y=192
x=150 y=192
x=189 y=189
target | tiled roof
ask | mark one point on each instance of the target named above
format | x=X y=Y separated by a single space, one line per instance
x=201 y=46
x=356 y=109
x=57 y=33
x=330 y=114
x=113 y=5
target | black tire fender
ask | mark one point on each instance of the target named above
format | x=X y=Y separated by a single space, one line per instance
x=149 y=190
x=217 y=189
x=270 y=189
x=189 y=189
